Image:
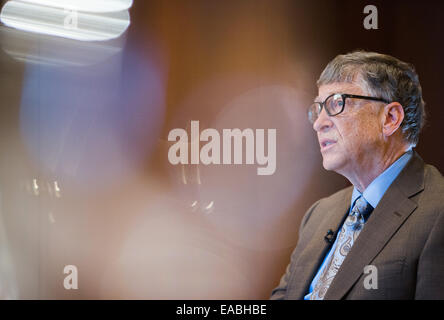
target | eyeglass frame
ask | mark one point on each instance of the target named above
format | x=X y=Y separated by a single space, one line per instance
x=344 y=96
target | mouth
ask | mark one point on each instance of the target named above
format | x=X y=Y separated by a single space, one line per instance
x=326 y=144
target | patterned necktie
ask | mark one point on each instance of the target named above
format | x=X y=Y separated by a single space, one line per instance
x=349 y=233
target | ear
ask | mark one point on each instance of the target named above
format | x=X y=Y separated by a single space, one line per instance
x=393 y=114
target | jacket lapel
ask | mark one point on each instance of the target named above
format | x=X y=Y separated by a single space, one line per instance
x=391 y=212
x=312 y=256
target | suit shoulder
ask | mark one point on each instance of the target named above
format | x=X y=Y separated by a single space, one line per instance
x=341 y=194
x=327 y=202
x=433 y=186
x=433 y=177
x=346 y=192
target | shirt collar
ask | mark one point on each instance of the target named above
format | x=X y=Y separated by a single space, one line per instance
x=374 y=192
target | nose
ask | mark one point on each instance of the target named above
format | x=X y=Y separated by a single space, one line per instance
x=323 y=122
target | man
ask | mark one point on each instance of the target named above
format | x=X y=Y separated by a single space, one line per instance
x=383 y=237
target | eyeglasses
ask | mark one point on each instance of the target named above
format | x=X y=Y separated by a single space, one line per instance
x=334 y=104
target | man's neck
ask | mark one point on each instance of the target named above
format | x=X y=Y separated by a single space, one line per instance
x=364 y=175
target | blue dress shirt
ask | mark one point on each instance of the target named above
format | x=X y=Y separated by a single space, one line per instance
x=373 y=194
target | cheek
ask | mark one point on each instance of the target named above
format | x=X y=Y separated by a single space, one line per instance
x=358 y=135
x=372 y=130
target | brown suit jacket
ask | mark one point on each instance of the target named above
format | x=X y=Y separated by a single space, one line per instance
x=403 y=239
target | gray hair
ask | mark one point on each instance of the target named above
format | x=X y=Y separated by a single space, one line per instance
x=382 y=76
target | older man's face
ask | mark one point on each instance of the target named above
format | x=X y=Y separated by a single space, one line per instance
x=350 y=139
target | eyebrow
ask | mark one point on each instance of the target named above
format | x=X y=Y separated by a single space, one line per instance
x=329 y=94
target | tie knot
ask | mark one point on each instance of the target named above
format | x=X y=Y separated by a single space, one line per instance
x=361 y=210
x=362 y=206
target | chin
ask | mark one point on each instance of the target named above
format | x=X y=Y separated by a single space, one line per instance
x=331 y=163
x=328 y=167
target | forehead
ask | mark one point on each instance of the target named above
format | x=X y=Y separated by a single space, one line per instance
x=338 y=87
